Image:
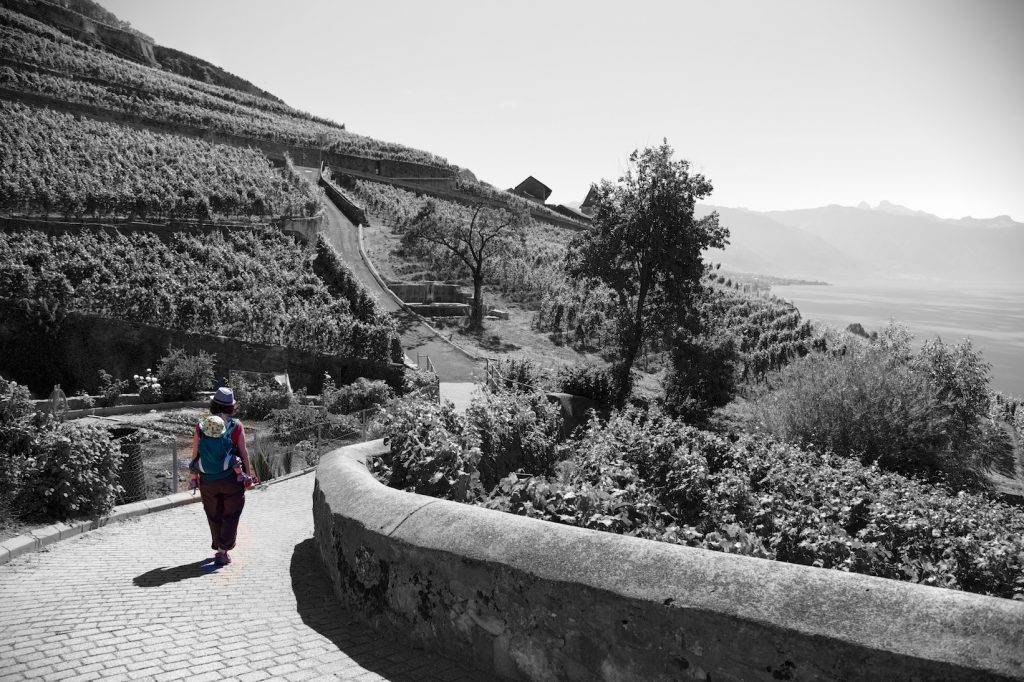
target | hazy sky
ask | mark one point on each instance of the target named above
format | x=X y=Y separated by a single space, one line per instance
x=781 y=104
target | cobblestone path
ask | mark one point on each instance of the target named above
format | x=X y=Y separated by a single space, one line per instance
x=142 y=600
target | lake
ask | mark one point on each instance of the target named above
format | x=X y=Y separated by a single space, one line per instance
x=993 y=318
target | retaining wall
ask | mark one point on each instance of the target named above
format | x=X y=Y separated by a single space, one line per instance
x=530 y=600
x=88 y=343
x=353 y=211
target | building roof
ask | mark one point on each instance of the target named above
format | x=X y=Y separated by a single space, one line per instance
x=534 y=188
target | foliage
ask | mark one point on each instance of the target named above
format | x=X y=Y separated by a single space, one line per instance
x=258 y=397
x=415 y=380
x=55 y=470
x=645 y=245
x=513 y=432
x=431 y=451
x=519 y=375
x=183 y=376
x=473 y=236
x=150 y=390
x=362 y=394
x=704 y=375
x=54 y=163
x=15 y=401
x=253 y=285
x=299 y=422
x=646 y=474
x=924 y=415
x=596 y=383
x=110 y=390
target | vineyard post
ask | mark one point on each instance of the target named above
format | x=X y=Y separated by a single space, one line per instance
x=173 y=481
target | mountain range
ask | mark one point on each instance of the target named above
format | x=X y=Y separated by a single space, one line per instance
x=843 y=243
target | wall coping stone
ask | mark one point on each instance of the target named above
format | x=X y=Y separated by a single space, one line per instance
x=823 y=624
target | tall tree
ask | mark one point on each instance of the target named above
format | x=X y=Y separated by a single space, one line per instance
x=645 y=244
x=475 y=236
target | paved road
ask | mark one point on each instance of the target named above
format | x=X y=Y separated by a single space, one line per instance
x=417 y=338
x=141 y=600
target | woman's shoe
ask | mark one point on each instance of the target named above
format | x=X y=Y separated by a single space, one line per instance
x=220 y=558
x=225 y=558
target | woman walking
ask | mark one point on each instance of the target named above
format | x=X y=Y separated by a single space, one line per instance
x=219 y=457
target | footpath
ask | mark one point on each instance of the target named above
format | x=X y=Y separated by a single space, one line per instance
x=450 y=364
x=142 y=600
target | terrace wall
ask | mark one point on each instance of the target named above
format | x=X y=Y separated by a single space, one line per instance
x=88 y=343
x=525 y=599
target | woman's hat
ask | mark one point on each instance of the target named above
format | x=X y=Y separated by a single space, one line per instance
x=224 y=396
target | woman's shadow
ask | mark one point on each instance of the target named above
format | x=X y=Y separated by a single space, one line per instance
x=163 y=576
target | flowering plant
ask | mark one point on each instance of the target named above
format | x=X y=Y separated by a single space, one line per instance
x=149 y=387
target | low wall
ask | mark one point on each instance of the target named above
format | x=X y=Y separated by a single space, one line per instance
x=530 y=600
x=88 y=343
x=351 y=210
x=430 y=292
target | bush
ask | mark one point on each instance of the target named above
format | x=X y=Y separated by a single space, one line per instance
x=646 y=474
x=514 y=432
x=258 y=398
x=519 y=375
x=110 y=390
x=150 y=390
x=299 y=422
x=183 y=376
x=15 y=401
x=703 y=377
x=56 y=470
x=596 y=383
x=361 y=394
x=416 y=379
x=431 y=452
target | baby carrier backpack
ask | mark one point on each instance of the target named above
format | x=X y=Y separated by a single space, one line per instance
x=217 y=455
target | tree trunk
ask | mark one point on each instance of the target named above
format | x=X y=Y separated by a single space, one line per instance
x=476 y=315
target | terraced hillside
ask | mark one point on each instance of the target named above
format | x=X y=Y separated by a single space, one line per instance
x=40 y=62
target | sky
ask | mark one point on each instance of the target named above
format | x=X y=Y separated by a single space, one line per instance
x=782 y=105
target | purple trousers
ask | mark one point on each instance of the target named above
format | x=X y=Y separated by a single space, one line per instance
x=223 y=501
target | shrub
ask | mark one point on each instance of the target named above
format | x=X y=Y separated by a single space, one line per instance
x=150 y=390
x=596 y=383
x=258 y=398
x=415 y=380
x=183 y=376
x=431 y=451
x=15 y=401
x=646 y=474
x=519 y=375
x=703 y=377
x=110 y=390
x=514 y=432
x=361 y=394
x=58 y=470
x=299 y=422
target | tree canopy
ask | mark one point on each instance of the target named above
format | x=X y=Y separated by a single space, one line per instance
x=645 y=244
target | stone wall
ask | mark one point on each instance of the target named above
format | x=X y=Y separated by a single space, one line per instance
x=89 y=343
x=530 y=600
x=353 y=211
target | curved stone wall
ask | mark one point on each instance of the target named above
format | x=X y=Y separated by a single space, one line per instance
x=528 y=599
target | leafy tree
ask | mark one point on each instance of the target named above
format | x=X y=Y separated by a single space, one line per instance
x=645 y=244
x=474 y=236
